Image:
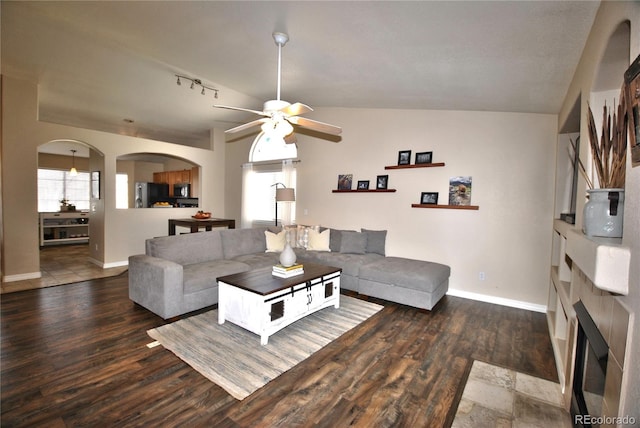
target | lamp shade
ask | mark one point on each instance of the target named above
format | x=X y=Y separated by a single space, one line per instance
x=286 y=194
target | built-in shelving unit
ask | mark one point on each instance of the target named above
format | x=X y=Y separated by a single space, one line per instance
x=64 y=228
x=450 y=207
x=365 y=191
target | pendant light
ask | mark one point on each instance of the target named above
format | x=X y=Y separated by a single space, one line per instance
x=73 y=171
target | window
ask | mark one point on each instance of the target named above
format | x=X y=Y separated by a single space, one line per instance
x=259 y=194
x=122 y=191
x=55 y=185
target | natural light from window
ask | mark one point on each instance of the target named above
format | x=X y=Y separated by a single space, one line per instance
x=55 y=185
x=122 y=191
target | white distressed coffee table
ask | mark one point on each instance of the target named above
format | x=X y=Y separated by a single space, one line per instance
x=264 y=304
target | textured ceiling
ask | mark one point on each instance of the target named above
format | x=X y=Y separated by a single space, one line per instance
x=98 y=63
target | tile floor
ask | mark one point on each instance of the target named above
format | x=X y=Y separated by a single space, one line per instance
x=495 y=397
x=63 y=264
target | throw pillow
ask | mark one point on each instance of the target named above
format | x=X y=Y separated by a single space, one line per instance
x=336 y=239
x=292 y=230
x=303 y=235
x=275 y=241
x=319 y=241
x=353 y=243
x=376 y=240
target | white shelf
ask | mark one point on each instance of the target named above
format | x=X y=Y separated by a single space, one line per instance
x=605 y=261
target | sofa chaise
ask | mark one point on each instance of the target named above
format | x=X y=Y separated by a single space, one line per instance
x=178 y=274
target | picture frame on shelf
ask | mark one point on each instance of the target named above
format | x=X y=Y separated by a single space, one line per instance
x=429 y=198
x=404 y=157
x=345 y=181
x=382 y=182
x=460 y=190
x=95 y=184
x=363 y=185
x=424 y=157
x=632 y=94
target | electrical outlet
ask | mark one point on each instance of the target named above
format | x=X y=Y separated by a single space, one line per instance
x=482 y=276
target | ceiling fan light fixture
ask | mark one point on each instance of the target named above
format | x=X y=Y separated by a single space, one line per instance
x=279 y=128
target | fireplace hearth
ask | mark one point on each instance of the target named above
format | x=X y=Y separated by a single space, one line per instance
x=590 y=371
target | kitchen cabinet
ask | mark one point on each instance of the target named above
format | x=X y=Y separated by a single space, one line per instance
x=172 y=177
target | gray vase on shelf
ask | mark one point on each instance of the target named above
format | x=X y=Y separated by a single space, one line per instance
x=603 y=213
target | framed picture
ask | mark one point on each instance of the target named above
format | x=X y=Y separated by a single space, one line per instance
x=429 y=198
x=423 y=157
x=460 y=190
x=404 y=157
x=363 y=185
x=95 y=184
x=382 y=182
x=632 y=94
x=345 y=181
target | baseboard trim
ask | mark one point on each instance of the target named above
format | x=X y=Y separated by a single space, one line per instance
x=109 y=265
x=497 y=300
x=22 y=276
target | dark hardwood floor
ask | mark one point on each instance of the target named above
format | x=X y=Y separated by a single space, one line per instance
x=76 y=355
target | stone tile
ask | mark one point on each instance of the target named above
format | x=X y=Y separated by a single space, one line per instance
x=493 y=374
x=540 y=389
x=531 y=413
x=488 y=395
x=473 y=415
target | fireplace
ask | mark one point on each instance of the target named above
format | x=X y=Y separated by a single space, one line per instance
x=590 y=371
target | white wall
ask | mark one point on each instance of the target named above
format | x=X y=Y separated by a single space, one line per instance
x=124 y=230
x=510 y=156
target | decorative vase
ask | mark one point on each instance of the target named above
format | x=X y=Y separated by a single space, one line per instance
x=603 y=213
x=287 y=256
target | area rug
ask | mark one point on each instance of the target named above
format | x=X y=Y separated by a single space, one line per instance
x=233 y=358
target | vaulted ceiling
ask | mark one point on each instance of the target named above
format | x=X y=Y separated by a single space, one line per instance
x=101 y=63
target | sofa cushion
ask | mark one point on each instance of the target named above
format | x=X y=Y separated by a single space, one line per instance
x=350 y=263
x=353 y=243
x=187 y=249
x=319 y=241
x=409 y=273
x=237 y=242
x=259 y=260
x=199 y=276
x=376 y=241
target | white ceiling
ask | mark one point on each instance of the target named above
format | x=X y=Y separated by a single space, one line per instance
x=98 y=63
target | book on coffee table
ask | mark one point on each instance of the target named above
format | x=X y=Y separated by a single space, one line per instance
x=287 y=271
x=288 y=274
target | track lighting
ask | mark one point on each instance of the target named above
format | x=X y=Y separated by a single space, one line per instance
x=197 y=82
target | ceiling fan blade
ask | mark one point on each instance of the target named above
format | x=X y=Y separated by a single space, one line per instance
x=245 y=126
x=290 y=139
x=315 y=125
x=261 y=113
x=296 y=109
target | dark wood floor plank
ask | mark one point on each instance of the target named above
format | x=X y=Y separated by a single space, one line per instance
x=75 y=355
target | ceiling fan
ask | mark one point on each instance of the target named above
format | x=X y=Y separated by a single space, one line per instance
x=279 y=116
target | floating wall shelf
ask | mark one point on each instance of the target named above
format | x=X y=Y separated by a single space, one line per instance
x=451 y=207
x=421 y=165
x=365 y=191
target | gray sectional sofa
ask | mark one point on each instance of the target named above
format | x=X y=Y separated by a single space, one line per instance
x=177 y=274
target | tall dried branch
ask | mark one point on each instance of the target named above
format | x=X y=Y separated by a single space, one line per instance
x=610 y=151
